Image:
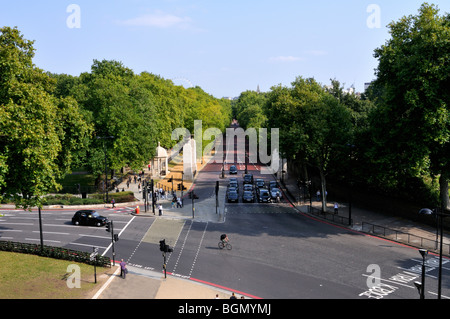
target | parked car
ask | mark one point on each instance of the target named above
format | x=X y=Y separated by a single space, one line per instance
x=248 y=179
x=89 y=217
x=232 y=196
x=248 y=197
x=233 y=169
x=259 y=183
x=263 y=195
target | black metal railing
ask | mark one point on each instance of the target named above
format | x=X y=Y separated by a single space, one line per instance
x=402 y=237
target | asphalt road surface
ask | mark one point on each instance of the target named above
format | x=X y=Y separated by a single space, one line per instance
x=277 y=252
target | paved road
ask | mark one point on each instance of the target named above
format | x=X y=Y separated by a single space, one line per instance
x=277 y=251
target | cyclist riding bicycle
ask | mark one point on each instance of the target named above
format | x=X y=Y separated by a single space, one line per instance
x=224 y=238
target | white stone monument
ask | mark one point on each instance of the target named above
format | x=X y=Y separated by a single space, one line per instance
x=189 y=160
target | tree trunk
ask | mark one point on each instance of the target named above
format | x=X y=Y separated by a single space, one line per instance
x=323 y=191
x=443 y=189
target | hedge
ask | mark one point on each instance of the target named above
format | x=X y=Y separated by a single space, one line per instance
x=54 y=252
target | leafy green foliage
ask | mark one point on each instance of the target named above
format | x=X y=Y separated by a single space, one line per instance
x=51 y=122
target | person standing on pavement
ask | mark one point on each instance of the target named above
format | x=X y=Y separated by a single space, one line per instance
x=123 y=269
x=336 y=208
x=160 y=209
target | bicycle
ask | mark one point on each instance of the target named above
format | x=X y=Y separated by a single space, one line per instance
x=226 y=245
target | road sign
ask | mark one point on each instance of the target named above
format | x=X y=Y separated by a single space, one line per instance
x=93 y=254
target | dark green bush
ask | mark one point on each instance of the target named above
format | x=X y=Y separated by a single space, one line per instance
x=54 y=252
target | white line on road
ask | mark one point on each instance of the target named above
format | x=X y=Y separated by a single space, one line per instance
x=45 y=240
x=123 y=229
x=102 y=237
x=50 y=232
x=87 y=245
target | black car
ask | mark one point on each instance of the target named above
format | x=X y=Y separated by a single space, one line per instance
x=233 y=169
x=273 y=184
x=248 y=179
x=232 y=196
x=89 y=218
x=248 y=197
x=234 y=184
x=264 y=195
x=259 y=183
x=248 y=187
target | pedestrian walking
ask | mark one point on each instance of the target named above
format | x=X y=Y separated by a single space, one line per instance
x=123 y=269
x=160 y=209
x=179 y=204
x=318 y=195
x=174 y=200
x=113 y=203
x=336 y=208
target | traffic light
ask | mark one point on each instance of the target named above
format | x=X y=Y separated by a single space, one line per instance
x=108 y=227
x=116 y=237
x=179 y=187
x=162 y=245
x=170 y=180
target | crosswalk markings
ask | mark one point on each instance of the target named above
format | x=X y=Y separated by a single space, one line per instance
x=162 y=228
x=121 y=209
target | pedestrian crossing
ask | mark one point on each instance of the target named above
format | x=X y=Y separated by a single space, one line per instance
x=121 y=209
x=242 y=208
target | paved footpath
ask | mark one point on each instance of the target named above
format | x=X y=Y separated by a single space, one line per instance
x=144 y=284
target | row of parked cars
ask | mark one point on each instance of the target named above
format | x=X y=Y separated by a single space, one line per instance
x=253 y=190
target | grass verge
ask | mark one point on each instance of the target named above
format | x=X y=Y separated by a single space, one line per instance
x=32 y=277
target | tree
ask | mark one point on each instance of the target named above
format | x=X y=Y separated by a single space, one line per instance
x=412 y=124
x=313 y=124
x=36 y=139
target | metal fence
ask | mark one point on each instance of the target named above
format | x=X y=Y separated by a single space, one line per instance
x=407 y=238
x=343 y=220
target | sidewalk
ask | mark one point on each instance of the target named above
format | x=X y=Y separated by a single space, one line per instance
x=361 y=215
x=145 y=284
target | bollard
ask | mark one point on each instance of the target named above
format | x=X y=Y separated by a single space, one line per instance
x=137 y=210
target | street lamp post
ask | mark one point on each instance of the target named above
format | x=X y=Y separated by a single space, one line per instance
x=427 y=211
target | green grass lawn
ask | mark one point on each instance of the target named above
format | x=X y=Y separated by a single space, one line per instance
x=32 y=277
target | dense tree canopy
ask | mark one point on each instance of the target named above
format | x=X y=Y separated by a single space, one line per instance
x=51 y=123
x=39 y=131
x=394 y=137
x=411 y=126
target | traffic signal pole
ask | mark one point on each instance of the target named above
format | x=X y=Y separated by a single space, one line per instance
x=165 y=249
x=110 y=229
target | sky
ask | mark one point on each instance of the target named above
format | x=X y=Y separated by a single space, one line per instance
x=224 y=47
